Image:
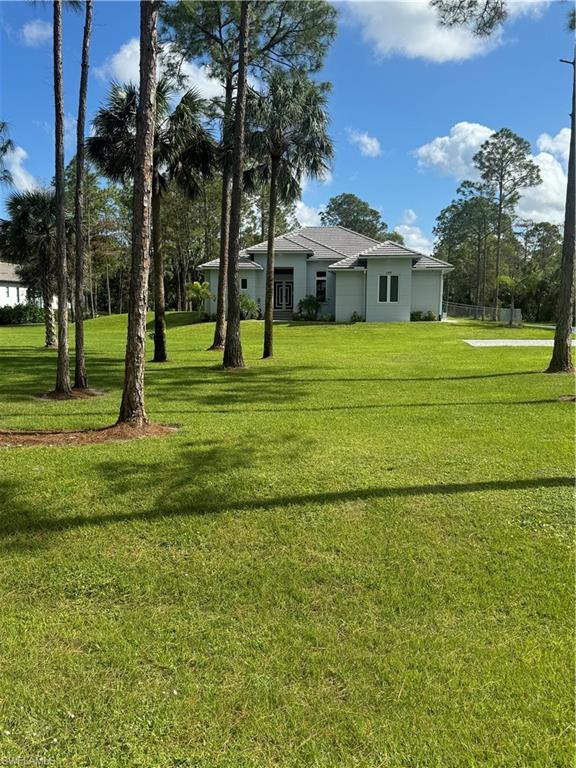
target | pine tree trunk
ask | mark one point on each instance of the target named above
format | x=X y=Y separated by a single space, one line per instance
x=233 y=357
x=498 y=251
x=132 y=410
x=222 y=296
x=478 y=273
x=80 y=378
x=562 y=353
x=159 y=293
x=108 y=294
x=49 y=324
x=269 y=303
x=62 y=387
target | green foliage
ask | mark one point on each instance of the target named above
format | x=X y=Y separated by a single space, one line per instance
x=288 y=130
x=356 y=318
x=506 y=166
x=21 y=314
x=6 y=146
x=423 y=316
x=249 y=309
x=198 y=293
x=308 y=307
x=348 y=210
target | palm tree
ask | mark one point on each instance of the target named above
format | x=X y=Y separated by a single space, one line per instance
x=183 y=150
x=132 y=409
x=291 y=140
x=62 y=388
x=80 y=379
x=28 y=238
x=233 y=357
x=6 y=145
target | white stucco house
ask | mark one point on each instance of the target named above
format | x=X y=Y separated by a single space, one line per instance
x=348 y=272
x=12 y=291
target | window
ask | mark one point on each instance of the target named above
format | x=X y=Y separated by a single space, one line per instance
x=7 y=291
x=387 y=288
x=244 y=283
x=321 y=286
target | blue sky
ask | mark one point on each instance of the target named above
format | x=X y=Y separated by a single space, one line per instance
x=410 y=102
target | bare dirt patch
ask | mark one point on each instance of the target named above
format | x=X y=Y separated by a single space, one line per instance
x=76 y=394
x=19 y=438
x=567 y=398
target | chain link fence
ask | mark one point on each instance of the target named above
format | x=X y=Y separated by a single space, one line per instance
x=450 y=309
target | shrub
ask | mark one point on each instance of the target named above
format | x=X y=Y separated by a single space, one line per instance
x=356 y=318
x=426 y=316
x=308 y=307
x=20 y=314
x=249 y=309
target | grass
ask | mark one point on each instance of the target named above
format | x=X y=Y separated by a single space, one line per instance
x=357 y=554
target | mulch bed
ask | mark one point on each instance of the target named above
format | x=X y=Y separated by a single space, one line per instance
x=567 y=398
x=17 y=438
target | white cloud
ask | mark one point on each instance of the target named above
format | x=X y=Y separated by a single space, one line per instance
x=411 y=28
x=412 y=234
x=36 y=32
x=452 y=155
x=124 y=66
x=306 y=215
x=558 y=145
x=369 y=146
x=22 y=178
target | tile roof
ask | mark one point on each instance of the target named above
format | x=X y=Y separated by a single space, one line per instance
x=244 y=263
x=343 y=248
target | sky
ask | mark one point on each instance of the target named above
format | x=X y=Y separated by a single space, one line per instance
x=411 y=102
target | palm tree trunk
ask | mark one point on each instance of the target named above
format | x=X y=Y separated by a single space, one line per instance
x=220 y=329
x=233 y=357
x=132 y=409
x=49 y=325
x=80 y=378
x=62 y=387
x=159 y=294
x=562 y=353
x=269 y=303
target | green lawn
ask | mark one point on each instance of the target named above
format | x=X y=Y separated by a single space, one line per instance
x=357 y=554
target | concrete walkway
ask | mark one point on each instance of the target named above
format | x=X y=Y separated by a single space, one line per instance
x=512 y=342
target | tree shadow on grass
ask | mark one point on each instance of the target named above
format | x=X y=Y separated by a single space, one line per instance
x=208 y=479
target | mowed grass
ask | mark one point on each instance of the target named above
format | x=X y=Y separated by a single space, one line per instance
x=357 y=554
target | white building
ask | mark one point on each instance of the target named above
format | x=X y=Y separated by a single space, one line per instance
x=12 y=291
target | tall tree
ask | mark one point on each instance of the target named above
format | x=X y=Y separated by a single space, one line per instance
x=483 y=16
x=6 y=146
x=132 y=410
x=290 y=138
x=283 y=32
x=562 y=352
x=183 y=151
x=62 y=388
x=348 y=210
x=506 y=167
x=233 y=357
x=28 y=239
x=80 y=378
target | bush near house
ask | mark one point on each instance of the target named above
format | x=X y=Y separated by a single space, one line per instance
x=249 y=309
x=308 y=307
x=426 y=316
x=21 y=314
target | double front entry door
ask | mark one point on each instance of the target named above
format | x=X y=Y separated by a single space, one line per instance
x=283 y=294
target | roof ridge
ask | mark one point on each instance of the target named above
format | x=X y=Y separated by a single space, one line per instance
x=318 y=242
x=367 y=237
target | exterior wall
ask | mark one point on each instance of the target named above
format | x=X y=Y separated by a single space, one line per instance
x=251 y=275
x=350 y=287
x=388 y=312
x=11 y=294
x=427 y=291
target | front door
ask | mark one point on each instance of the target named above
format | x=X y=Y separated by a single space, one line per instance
x=283 y=294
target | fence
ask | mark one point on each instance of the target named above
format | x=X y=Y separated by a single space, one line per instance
x=482 y=313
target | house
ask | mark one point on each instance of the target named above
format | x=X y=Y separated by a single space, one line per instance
x=349 y=273
x=12 y=291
